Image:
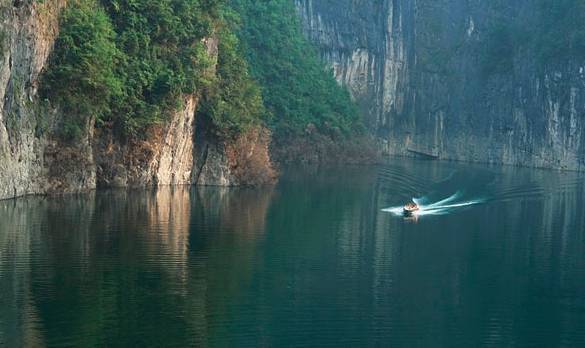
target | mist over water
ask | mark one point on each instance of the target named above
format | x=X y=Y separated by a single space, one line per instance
x=498 y=260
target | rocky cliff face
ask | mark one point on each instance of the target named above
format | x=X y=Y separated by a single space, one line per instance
x=418 y=70
x=27 y=33
x=33 y=160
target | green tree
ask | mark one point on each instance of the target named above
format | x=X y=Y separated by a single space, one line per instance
x=128 y=63
x=81 y=77
x=233 y=102
x=296 y=88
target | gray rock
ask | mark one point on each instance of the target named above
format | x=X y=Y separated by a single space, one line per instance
x=33 y=159
x=415 y=68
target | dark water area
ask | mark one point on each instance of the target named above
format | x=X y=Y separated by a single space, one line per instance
x=314 y=261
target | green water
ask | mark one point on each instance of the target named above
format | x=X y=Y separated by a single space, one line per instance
x=313 y=261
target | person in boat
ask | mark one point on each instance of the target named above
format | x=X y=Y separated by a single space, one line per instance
x=410 y=208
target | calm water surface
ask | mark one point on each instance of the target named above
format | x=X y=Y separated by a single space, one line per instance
x=313 y=261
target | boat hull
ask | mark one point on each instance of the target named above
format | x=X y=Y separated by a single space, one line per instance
x=409 y=210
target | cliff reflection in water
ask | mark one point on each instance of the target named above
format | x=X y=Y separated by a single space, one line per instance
x=127 y=268
x=312 y=262
x=18 y=314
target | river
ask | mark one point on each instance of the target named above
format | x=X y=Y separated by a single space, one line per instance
x=496 y=257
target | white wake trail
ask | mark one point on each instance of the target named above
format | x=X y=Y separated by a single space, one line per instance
x=450 y=199
x=437 y=208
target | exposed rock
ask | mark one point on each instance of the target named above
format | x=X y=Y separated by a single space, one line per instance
x=28 y=30
x=215 y=169
x=175 y=161
x=163 y=156
x=415 y=69
x=243 y=160
x=68 y=168
x=317 y=148
x=249 y=158
x=34 y=159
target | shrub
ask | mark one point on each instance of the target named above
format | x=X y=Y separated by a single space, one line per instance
x=81 y=77
x=296 y=88
x=233 y=101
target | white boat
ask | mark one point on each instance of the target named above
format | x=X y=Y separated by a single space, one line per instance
x=410 y=208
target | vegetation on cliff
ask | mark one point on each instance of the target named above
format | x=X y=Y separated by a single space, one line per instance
x=297 y=90
x=232 y=99
x=82 y=78
x=128 y=64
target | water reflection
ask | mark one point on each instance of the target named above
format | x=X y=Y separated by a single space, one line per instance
x=18 y=315
x=312 y=262
x=492 y=274
x=117 y=267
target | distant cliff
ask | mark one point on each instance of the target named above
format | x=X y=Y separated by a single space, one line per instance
x=483 y=81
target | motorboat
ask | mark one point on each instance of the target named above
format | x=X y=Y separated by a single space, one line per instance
x=410 y=208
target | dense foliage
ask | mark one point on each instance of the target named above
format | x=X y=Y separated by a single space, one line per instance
x=128 y=63
x=163 y=55
x=233 y=99
x=82 y=77
x=297 y=90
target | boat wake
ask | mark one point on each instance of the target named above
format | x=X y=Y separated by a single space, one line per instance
x=441 y=207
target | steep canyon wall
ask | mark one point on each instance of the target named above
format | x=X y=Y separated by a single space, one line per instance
x=455 y=79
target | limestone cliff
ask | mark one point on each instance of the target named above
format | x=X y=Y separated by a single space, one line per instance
x=28 y=30
x=417 y=69
x=33 y=160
